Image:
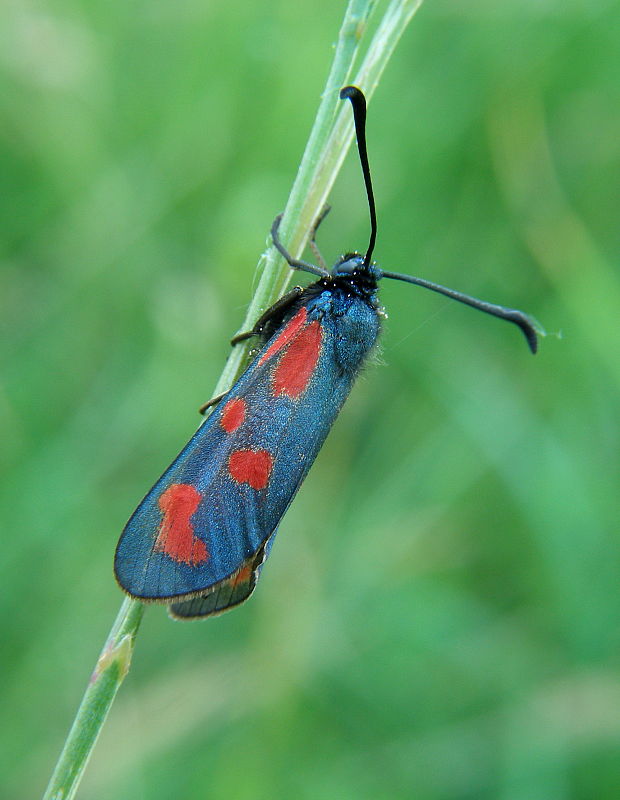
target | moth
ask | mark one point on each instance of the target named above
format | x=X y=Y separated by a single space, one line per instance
x=199 y=538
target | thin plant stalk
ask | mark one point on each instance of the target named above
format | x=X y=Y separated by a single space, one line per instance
x=330 y=138
x=110 y=670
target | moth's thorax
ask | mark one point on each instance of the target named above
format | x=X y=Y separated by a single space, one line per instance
x=351 y=315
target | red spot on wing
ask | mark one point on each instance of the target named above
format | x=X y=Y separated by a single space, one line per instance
x=243 y=576
x=293 y=326
x=251 y=466
x=293 y=373
x=233 y=414
x=176 y=532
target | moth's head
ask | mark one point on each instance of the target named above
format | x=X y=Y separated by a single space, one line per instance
x=352 y=265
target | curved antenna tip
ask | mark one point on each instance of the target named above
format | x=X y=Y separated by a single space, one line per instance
x=351 y=92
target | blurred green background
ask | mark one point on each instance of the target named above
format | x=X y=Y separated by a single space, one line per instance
x=440 y=614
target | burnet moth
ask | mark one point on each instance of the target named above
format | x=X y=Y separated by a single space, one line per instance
x=199 y=538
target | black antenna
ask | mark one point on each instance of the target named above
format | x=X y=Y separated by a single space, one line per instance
x=527 y=325
x=358 y=101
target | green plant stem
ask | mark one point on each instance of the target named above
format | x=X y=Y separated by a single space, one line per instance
x=110 y=670
x=330 y=138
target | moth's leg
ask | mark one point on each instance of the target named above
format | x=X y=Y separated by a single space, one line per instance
x=273 y=311
x=295 y=263
x=312 y=240
x=212 y=402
